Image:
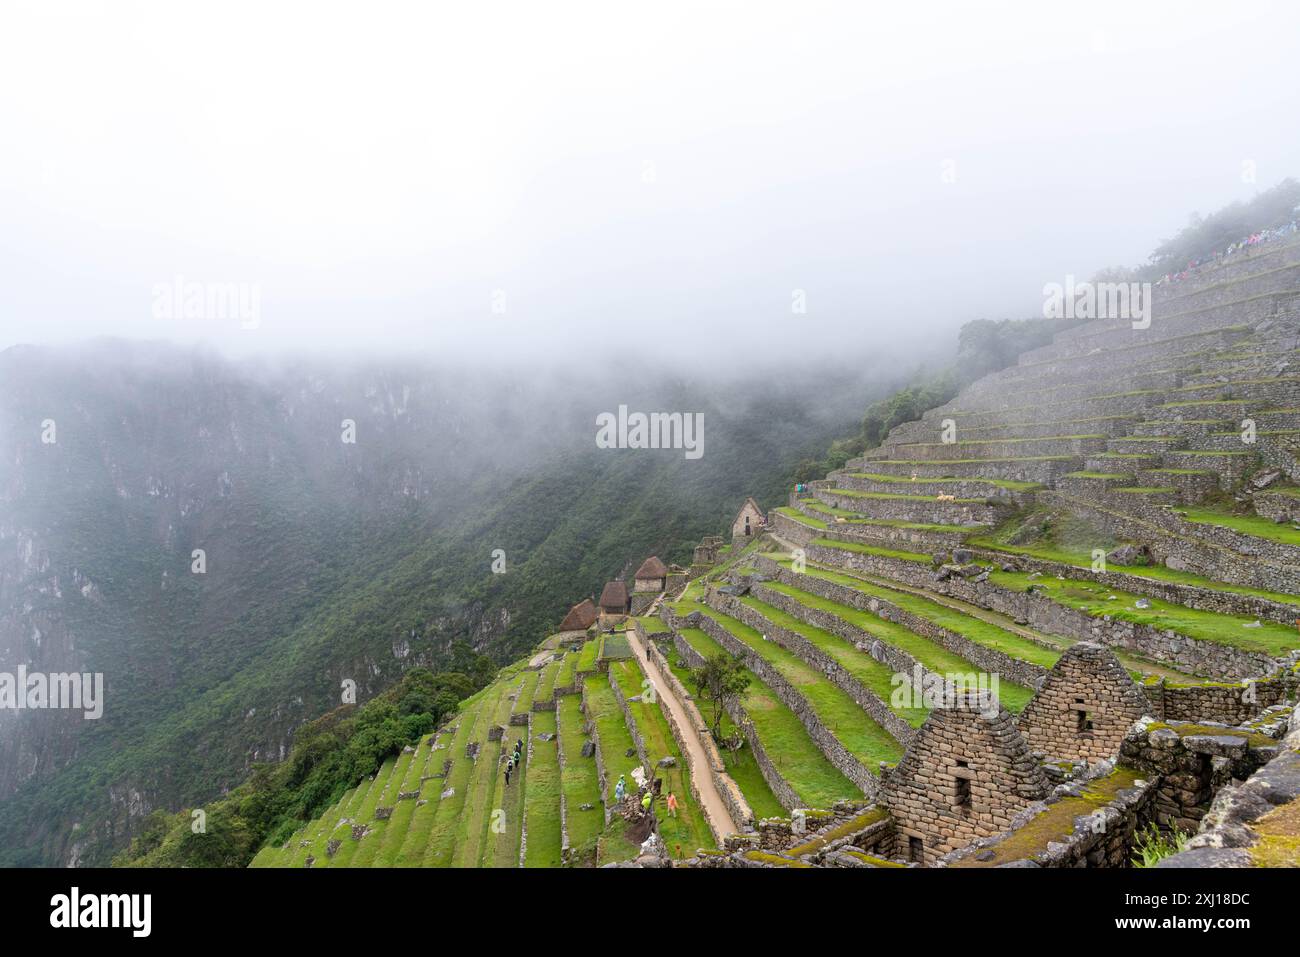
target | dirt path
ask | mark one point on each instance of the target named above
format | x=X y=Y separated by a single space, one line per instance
x=715 y=810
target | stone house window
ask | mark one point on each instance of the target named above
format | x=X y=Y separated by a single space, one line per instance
x=961 y=801
x=1084 y=719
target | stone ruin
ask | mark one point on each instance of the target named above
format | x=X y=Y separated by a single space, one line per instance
x=965 y=775
x=1084 y=708
x=975 y=786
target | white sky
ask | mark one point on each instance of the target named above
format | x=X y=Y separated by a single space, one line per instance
x=377 y=170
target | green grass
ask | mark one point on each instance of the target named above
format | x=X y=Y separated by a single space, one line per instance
x=931 y=655
x=444 y=834
x=855 y=518
x=874 y=675
x=873 y=550
x=842 y=716
x=689 y=830
x=587 y=657
x=794 y=755
x=998 y=483
x=542 y=796
x=899 y=497
x=740 y=765
x=612 y=732
x=365 y=815
x=1091 y=598
x=1082 y=558
x=1246 y=524
x=486 y=789
x=394 y=833
x=653 y=625
x=567 y=673
x=579 y=779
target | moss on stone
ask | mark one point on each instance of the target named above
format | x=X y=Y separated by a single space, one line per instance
x=1056 y=823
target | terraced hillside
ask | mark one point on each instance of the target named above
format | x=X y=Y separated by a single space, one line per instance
x=1122 y=498
x=581 y=710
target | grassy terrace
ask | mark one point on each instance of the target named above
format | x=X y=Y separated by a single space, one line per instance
x=652 y=625
x=612 y=732
x=980 y=632
x=363 y=813
x=541 y=797
x=452 y=746
x=689 y=831
x=875 y=676
x=524 y=696
x=486 y=789
x=385 y=851
x=1082 y=558
x=996 y=483
x=741 y=764
x=1246 y=524
x=873 y=550
x=899 y=496
x=444 y=833
x=1011 y=461
x=794 y=755
x=579 y=780
x=932 y=655
x=567 y=672
x=853 y=727
x=856 y=518
x=587 y=657
x=545 y=689
x=1093 y=598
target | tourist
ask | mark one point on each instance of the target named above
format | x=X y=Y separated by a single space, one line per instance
x=672 y=804
x=620 y=789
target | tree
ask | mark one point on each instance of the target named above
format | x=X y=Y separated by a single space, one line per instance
x=721 y=680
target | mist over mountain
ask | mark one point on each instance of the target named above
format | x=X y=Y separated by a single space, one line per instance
x=323 y=559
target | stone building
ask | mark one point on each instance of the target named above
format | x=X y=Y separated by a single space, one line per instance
x=580 y=617
x=1086 y=705
x=966 y=774
x=748 y=523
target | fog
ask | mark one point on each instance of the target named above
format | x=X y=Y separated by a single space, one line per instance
x=597 y=183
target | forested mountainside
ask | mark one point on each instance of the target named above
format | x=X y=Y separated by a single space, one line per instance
x=323 y=560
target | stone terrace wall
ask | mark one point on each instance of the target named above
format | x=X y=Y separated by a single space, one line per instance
x=1192 y=763
x=1227 y=838
x=728 y=790
x=1231 y=704
x=984 y=658
x=1193 y=596
x=781 y=788
x=1234 y=557
x=791 y=697
x=801 y=647
x=1043 y=614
